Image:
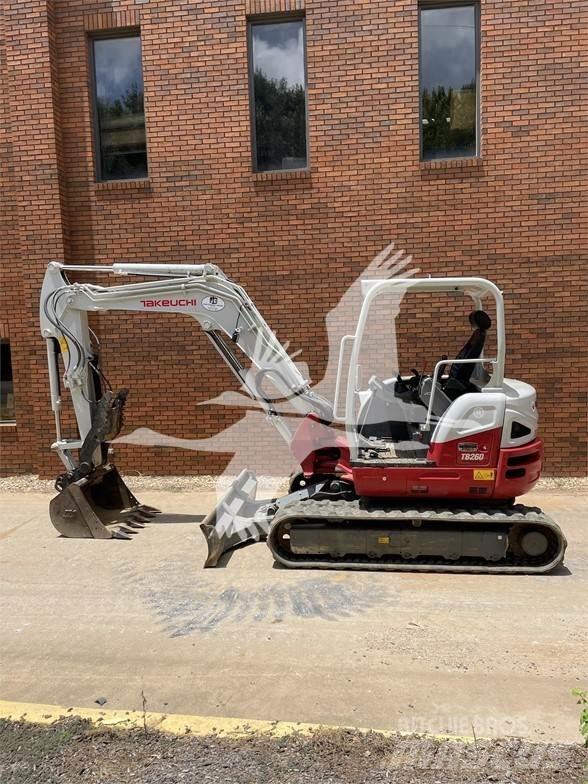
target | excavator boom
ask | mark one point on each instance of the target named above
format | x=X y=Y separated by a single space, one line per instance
x=97 y=496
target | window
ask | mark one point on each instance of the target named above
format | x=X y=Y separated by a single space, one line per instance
x=449 y=80
x=121 y=148
x=278 y=94
x=6 y=388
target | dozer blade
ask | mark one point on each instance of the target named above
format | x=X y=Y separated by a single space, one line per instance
x=233 y=521
x=85 y=509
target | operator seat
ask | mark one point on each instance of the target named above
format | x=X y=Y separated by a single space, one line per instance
x=460 y=374
x=459 y=380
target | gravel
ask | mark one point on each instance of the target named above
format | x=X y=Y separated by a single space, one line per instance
x=72 y=750
x=30 y=483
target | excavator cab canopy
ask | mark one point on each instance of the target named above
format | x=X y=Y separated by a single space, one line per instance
x=483 y=293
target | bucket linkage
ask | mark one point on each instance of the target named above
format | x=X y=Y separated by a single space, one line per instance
x=92 y=498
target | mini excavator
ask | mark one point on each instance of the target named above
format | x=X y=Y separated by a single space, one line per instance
x=417 y=473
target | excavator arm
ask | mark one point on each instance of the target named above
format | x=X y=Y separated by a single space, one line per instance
x=229 y=319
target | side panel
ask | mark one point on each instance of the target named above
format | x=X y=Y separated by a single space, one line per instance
x=518 y=470
x=422 y=482
x=521 y=419
x=512 y=473
x=470 y=414
x=473 y=450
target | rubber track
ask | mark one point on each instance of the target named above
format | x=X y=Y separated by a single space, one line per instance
x=352 y=512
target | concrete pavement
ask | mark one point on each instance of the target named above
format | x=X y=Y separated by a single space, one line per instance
x=84 y=619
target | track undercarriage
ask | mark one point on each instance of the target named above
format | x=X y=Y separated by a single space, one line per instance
x=321 y=529
x=359 y=535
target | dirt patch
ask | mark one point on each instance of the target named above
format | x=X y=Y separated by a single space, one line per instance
x=72 y=750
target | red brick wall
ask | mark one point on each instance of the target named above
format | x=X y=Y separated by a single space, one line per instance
x=33 y=223
x=295 y=242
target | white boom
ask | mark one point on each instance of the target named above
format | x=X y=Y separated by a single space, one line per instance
x=221 y=307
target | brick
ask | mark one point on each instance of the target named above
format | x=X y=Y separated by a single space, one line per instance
x=295 y=241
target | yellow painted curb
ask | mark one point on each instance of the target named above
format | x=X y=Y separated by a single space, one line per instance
x=180 y=724
x=175 y=723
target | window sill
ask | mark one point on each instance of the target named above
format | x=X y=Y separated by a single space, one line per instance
x=281 y=174
x=123 y=185
x=452 y=163
x=8 y=425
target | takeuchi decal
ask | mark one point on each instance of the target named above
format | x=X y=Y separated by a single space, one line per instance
x=169 y=303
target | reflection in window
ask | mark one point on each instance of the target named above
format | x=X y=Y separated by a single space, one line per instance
x=120 y=135
x=448 y=81
x=279 y=95
x=6 y=388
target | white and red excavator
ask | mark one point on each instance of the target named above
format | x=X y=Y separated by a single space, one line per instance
x=415 y=472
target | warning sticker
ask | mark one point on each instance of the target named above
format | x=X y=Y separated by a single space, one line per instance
x=63 y=345
x=484 y=475
x=383 y=540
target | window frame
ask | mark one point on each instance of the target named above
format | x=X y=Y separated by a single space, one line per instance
x=275 y=18
x=424 y=5
x=103 y=35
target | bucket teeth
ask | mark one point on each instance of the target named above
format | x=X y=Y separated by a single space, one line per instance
x=130 y=523
x=124 y=530
x=145 y=512
x=139 y=510
x=144 y=516
x=121 y=534
x=135 y=517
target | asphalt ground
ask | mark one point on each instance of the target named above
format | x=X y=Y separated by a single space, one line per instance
x=140 y=624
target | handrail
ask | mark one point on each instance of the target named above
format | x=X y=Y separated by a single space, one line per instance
x=340 y=417
x=442 y=363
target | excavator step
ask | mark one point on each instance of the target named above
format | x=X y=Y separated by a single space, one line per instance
x=339 y=534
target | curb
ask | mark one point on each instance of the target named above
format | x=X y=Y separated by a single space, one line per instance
x=186 y=724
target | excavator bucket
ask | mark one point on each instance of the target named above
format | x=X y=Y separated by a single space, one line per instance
x=91 y=506
x=232 y=522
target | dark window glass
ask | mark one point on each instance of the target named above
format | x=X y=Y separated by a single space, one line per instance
x=6 y=388
x=279 y=95
x=118 y=79
x=448 y=74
